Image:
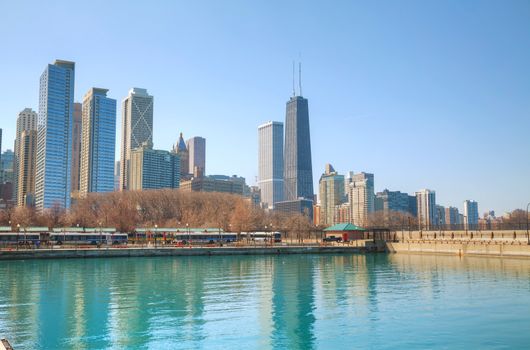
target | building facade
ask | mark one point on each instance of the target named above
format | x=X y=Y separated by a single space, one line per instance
x=27 y=148
x=297 y=206
x=471 y=214
x=181 y=149
x=440 y=215
x=98 y=142
x=270 y=163
x=361 y=197
x=54 y=135
x=76 y=146
x=26 y=121
x=197 y=156
x=298 y=170
x=426 y=204
x=215 y=183
x=136 y=130
x=452 y=217
x=332 y=195
x=154 y=169
x=392 y=201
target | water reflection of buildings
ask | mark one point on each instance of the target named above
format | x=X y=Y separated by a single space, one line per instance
x=293 y=303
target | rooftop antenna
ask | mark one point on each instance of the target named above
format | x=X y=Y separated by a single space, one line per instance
x=300 y=77
x=294 y=91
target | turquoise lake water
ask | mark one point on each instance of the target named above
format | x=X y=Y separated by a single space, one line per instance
x=267 y=302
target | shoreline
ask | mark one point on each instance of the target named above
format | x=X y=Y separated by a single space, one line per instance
x=72 y=253
x=477 y=249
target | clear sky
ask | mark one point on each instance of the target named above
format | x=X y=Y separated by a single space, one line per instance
x=424 y=94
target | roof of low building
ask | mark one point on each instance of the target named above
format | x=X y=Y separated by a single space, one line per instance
x=344 y=227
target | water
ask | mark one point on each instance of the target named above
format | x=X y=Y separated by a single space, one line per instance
x=267 y=302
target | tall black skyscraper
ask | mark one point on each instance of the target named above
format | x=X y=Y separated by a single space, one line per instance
x=298 y=171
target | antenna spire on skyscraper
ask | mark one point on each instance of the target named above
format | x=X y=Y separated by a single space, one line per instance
x=294 y=91
x=300 y=77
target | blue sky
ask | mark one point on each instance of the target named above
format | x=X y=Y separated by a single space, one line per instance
x=424 y=94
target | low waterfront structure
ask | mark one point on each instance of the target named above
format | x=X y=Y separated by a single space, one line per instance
x=345 y=231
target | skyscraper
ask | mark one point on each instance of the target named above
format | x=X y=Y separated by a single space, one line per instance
x=76 y=146
x=298 y=171
x=361 y=197
x=98 y=142
x=26 y=121
x=392 y=201
x=426 y=200
x=154 y=169
x=54 y=134
x=181 y=149
x=137 y=128
x=197 y=153
x=471 y=214
x=331 y=195
x=270 y=163
x=27 y=152
x=451 y=217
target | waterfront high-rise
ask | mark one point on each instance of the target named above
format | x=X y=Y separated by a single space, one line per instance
x=361 y=197
x=154 y=169
x=392 y=201
x=298 y=171
x=54 y=134
x=27 y=152
x=270 y=163
x=197 y=155
x=331 y=196
x=440 y=215
x=98 y=142
x=426 y=204
x=76 y=147
x=181 y=149
x=26 y=121
x=471 y=214
x=137 y=128
x=451 y=217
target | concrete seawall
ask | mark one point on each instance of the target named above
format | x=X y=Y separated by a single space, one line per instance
x=173 y=251
x=518 y=250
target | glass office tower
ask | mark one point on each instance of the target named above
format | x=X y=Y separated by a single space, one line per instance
x=54 y=133
x=97 y=142
x=298 y=171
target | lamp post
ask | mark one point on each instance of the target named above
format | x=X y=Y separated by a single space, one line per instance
x=18 y=233
x=100 y=234
x=156 y=229
x=188 y=229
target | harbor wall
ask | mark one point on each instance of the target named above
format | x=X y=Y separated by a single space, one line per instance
x=476 y=248
x=172 y=251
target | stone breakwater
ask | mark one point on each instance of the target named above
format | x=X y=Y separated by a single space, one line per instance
x=473 y=248
x=65 y=253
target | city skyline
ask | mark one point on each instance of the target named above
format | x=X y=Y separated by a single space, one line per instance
x=447 y=106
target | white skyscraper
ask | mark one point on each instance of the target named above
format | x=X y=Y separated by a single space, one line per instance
x=426 y=200
x=361 y=197
x=137 y=128
x=270 y=163
x=471 y=214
